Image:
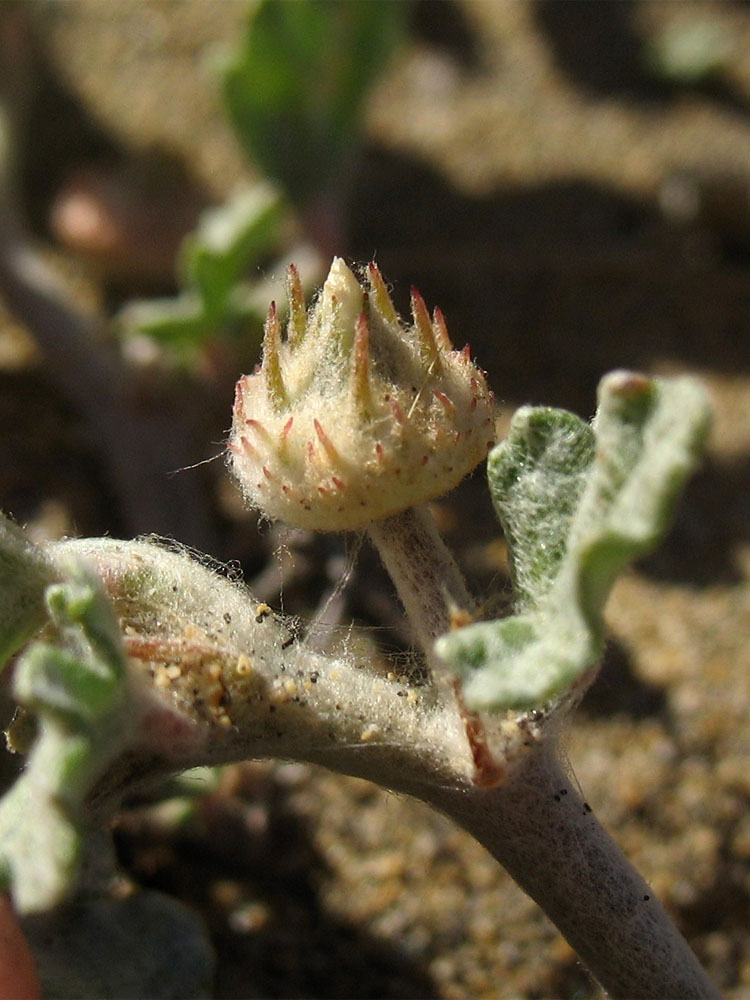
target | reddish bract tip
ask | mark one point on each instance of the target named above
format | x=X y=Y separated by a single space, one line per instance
x=362 y=332
x=442 y=398
x=441 y=330
x=424 y=328
x=325 y=441
x=248 y=447
x=360 y=371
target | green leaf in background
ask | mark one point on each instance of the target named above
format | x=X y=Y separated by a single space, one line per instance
x=577 y=503
x=296 y=87
x=229 y=240
x=79 y=693
x=216 y=264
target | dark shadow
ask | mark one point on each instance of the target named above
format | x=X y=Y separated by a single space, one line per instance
x=443 y=25
x=617 y=690
x=552 y=284
x=60 y=133
x=723 y=905
x=720 y=908
x=597 y=46
x=45 y=453
x=62 y=146
x=258 y=849
x=701 y=545
x=601 y=49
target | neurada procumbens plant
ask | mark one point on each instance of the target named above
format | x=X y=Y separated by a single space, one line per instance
x=353 y=421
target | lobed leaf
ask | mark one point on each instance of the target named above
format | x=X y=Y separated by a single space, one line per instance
x=79 y=694
x=577 y=504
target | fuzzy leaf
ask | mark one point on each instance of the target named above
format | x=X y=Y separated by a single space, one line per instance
x=577 y=504
x=536 y=477
x=79 y=693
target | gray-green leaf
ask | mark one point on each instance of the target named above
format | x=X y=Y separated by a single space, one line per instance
x=577 y=503
x=79 y=692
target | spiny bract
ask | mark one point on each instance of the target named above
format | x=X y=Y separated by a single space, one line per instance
x=355 y=416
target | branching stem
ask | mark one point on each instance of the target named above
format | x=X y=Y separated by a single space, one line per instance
x=534 y=822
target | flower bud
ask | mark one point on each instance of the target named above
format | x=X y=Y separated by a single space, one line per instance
x=354 y=416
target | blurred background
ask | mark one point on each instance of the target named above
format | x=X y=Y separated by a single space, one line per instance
x=570 y=183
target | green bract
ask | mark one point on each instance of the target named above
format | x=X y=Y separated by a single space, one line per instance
x=577 y=503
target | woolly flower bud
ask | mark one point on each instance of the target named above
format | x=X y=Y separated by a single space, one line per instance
x=354 y=415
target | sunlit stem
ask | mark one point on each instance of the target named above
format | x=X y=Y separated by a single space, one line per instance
x=537 y=826
x=430 y=584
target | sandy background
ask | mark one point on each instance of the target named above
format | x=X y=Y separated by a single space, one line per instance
x=515 y=167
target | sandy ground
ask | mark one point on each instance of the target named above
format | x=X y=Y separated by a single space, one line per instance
x=515 y=157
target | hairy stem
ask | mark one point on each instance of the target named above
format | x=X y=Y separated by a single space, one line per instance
x=540 y=830
x=428 y=581
x=534 y=822
x=433 y=592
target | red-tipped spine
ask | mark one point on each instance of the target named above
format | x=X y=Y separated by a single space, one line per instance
x=448 y=406
x=428 y=345
x=379 y=292
x=360 y=370
x=441 y=330
x=328 y=446
x=297 y=311
x=271 y=363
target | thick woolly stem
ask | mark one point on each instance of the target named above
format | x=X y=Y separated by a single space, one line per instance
x=547 y=838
